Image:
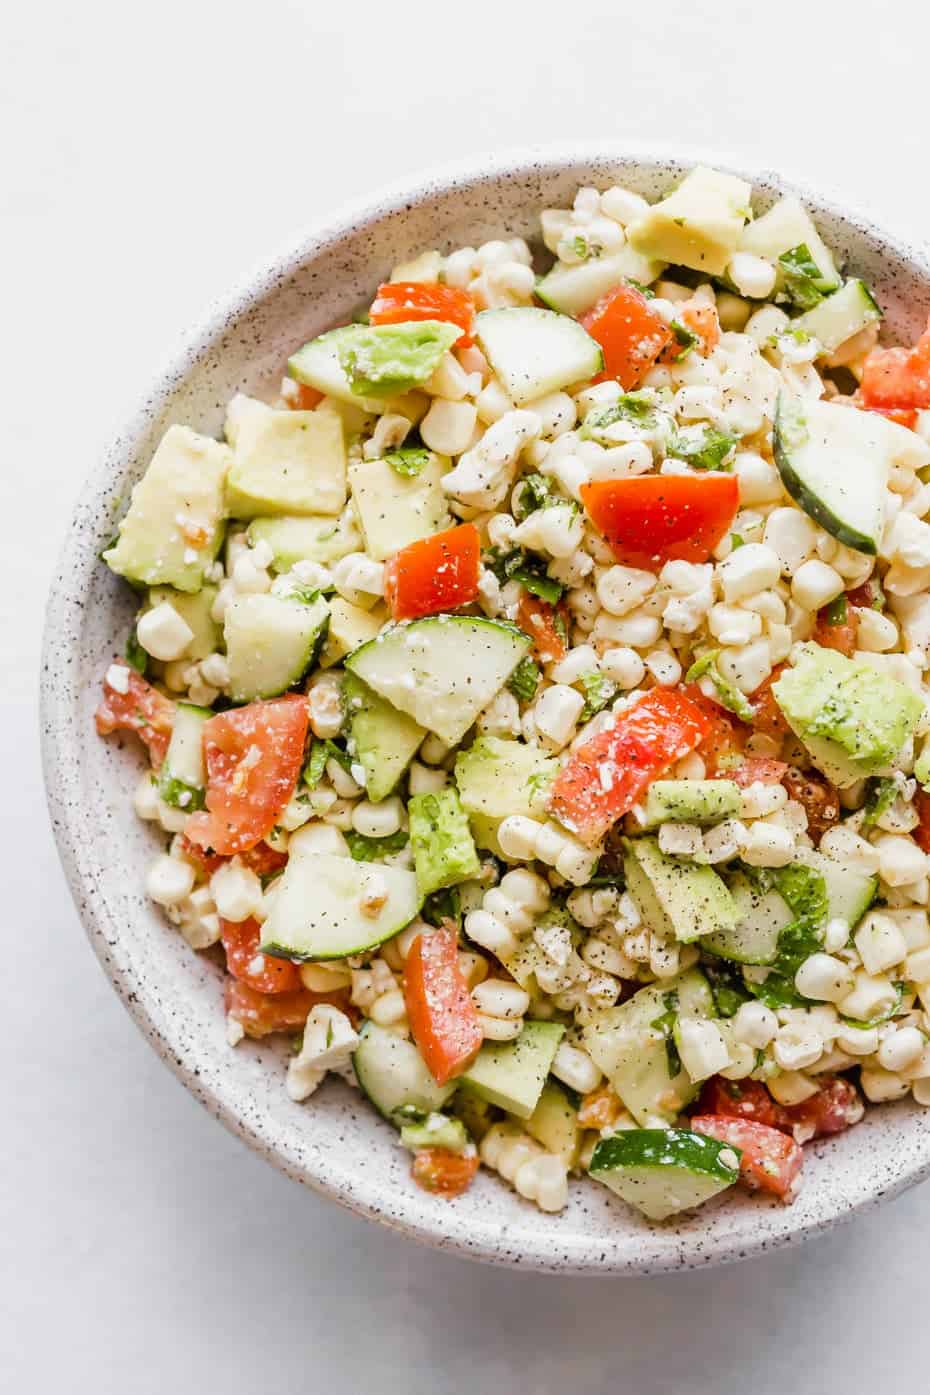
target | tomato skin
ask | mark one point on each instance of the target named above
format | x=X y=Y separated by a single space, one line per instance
x=402 y=302
x=771 y=1161
x=245 y=960
x=253 y=757
x=769 y=718
x=435 y=574
x=649 y=520
x=836 y=1106
x=757 y=770
x=442 y=1172
x=895 y=379
x=921 y=833
x=643 y=741
x=818 y=797
x=703 y=321
x=443 y=1018
x=546 y=625
x=143 y=709
x=260 y=1014
x=721 y=748
x=864 y=597
x=742 y=1099
x=839 y=635
x=631 y=334
x=305 y=398
x=261 y=859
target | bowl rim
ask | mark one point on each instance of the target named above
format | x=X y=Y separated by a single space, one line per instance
x=58 y=700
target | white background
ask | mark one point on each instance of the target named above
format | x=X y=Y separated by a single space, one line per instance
x=152 y=154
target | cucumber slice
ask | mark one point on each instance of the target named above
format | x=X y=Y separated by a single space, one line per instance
x=512 y=1074
x=664 y=1171
x=395 y=511
x=317 y=365
x=317 y=539
x=632 y=1051
x=840 y=316
x=834 y=462
x=574 y=289
x=441 y=671
x=762 y=917
x=554 y=1124
x=535 y=352
x=271 y=641
x=183 y=777
x=385 y=740
x=849 y=893
x=316 y=911
x=394 y=1075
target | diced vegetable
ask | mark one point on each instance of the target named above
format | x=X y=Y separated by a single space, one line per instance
x=770 y=1161
x=436 y=574
x=631 y=334
x=245 y=960
x=443 y=1019
x=405 y=301
x=141 y=708
x=653 y=519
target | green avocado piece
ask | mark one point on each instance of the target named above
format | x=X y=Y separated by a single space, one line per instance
x=848 y=716
x=690 y=801
x=511 y=1074
x=443 y=848
x=381 y=360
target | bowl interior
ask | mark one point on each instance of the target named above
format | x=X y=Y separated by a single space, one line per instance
x=335 y=1143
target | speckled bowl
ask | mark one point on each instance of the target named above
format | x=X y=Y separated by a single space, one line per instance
x=336 y=1144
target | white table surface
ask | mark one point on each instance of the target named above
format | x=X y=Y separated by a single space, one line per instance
x=152 y=155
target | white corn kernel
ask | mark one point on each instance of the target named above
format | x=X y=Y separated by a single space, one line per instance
x=870 y=998
x=767 y=845
x=751 y=568
x=575 y=1069
x=797 y=1045
x=236 y=890
x=823 y=978
x=624 y=666
x=497 y=997
x=702 y=1048
x=379 y=820
x=169 y=880
x=901 y=1050
x=880 y=1085
x=900 y=860
x=556 y=714
x=755 y=1024
x=448 y=427
x=163 y=633
x=752 y=276
x=880 y=943
x=791 y=535
x=816 y=584
x=423 y=780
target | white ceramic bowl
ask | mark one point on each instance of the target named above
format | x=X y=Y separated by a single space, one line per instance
x=336 y=1144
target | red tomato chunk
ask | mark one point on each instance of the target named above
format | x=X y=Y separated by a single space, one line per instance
x=649 y=520
x=401 y=302
x=547 y=626
x=443 y=1172
x=245 y=960
x=443 y=1018
x=142 y=709
x=631 y=334
x=436 y=574
x=253 y=756
x=770 y=1161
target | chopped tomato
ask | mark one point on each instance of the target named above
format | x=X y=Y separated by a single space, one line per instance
x=757 y=770
x=836 y=1106
x=904 y=416
x=546 y=625
x=443 y=1172
x=261 y=859
x=305 y=398
x=260 y=1014
x=399 y=302
x=770 y=1161
x=253 y=756
x=703 y=321
x=837 y=631
x=653 y=519
x=435 y=574
x=245 y=960
x=868 y=596
x=721 y=748
x=894 y=379
x=769 y=718
x=742 y=1099
x=606 y=776
x=631 y=334
x=443 y=1019
x=819 y=798
x=142 y=709
x=921 y=833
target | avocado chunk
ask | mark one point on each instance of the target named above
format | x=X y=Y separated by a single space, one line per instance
x=382 y=360
x=852 y=719
x=284 y=462
x=395 y=510
x=674 y=897
x=195 y=609
x=689 y=801
x=385 y=741
x=697 y=225
x=512 y=1074
x=554 y=1124
x=309 y=538
x=443 y=848
x=349 y=626
x=173 y=529
x=782 y=228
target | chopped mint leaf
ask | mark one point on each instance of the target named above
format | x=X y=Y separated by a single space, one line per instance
x=805 y=892
x=728 y=695
x=805 y=286
x=304 y=595
x=701 y=666
x=737 y=541
x=374 y=849
x=538 y=584
x=524 y=680
x=337 y=754
x=884 y=1016
x=643 y=290
x=598 y=692
x=408 y=462
x=581 y=247
x=639 y=408
x=836 y=613
x=666 y=1025
x=312 y=773
x=534 y=492
x=135 y=654
x=526 y=568
x=539 y=782
x=727 y=986
x=703 y=447
x=685 y=338
x=443 y=905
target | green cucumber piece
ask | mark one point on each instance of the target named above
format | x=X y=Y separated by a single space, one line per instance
x=664 y=1171
x=385 y=741
x=840 y=316
x=535 y=352
x=674 y=896
x=762 y=917
x=271 y=641
x=394 y=1075
x=574 y=289
x=689 y=801
x=183 y=777
x=316 y=912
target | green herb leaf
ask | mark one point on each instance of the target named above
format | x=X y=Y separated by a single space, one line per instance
x=703 y=447
x=534 y=493
x=701 y=666
x=408 y=462
x=666 y=1025
x=312 y=773
x=881 y=796
x=639 y=408
x=736 y=541
x=805 y=286
x=836 y=613
x=443 y=905
x=538 y=584
x=685 y=338
x=644 y=291
x=135 y=654
x=598 y=692
x=374 y=849
x=339 y=755
x=727 y=986
x=524 y=680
